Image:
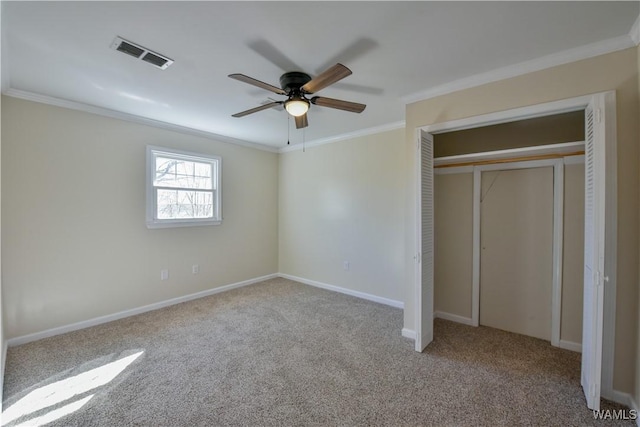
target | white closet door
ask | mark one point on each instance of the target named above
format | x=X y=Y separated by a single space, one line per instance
x=594 y=245
x=424 y=300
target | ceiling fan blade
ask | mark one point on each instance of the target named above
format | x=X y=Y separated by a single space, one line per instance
x=255 y=110
x=329 y=77
x=258 y=83
x=301 y=121
x=352 y=107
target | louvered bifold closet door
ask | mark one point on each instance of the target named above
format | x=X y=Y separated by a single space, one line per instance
x=427 y=196
x=593 y=260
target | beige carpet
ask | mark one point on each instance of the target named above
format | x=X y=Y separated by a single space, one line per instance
x=281 y=354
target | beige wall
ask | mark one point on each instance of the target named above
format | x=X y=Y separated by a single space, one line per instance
x=345 y=202
x=555 y=129
x=614 y=71
x=74 y=241
x=453 y=243
x=572 y=254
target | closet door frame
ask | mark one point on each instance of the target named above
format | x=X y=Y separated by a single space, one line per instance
x=606 y=111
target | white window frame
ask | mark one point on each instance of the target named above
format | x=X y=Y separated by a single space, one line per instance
x=215 y=161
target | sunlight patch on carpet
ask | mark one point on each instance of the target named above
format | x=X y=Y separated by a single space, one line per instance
x=56 y=413
x=50 y=395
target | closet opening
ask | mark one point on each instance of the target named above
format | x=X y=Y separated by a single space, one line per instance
x=467 y=163
x=502 y=256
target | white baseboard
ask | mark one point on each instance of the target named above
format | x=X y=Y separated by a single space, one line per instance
x=570 y=345
x=5 y=345
x=409 y=333
x=453 y=317
x=132 y=312
x=370 y=297
x=619 y=397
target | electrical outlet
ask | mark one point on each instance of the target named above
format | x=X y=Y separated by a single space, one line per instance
x=346 y=265
x=195 y=269
x=164 y=274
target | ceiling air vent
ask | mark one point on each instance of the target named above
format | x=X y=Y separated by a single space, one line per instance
x=140 y=52
x=156 y=60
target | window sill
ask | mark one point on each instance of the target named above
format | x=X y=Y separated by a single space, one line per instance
x=184 y=223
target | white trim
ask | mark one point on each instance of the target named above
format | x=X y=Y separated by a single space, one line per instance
x=132 y=312
x=453 y=318
x=358 y=294
x=475 y=256
x=570 y=345
x=560 y=58
x=634 y=33
x=557 y=251
x=418 y=286
x=573 y=160
x=607 y=102
x=540 y=150
x=526 y=164
x=623 y=399
x=409 y=333
x=215 y=162
x=511 y=115
x=349 y=135
x=454 y=170
x=619 y=397
x=5 y=346
x=87 y=108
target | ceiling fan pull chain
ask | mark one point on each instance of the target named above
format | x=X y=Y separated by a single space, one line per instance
x=288 y=128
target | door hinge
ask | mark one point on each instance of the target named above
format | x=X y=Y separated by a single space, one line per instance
x=598 y=115
x=418 y=145
x=418 y=258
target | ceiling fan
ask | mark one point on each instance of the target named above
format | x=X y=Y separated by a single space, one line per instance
x=295 y=86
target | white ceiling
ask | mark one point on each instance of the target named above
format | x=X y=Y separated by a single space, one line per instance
x=395 y=50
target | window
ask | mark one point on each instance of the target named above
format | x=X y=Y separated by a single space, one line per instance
x=183 y=189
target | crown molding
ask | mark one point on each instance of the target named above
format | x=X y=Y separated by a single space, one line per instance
x=635 y=31
x=349 y=135
x=548 y=61
x=87 y=108
x=59 y=102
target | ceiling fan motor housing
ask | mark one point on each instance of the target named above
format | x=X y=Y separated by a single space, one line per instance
x=293 y=81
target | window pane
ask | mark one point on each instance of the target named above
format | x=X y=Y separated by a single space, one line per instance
x=181 y=204
x=178 y=173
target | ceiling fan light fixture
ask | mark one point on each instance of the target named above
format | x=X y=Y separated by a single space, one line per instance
x=297 y=106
